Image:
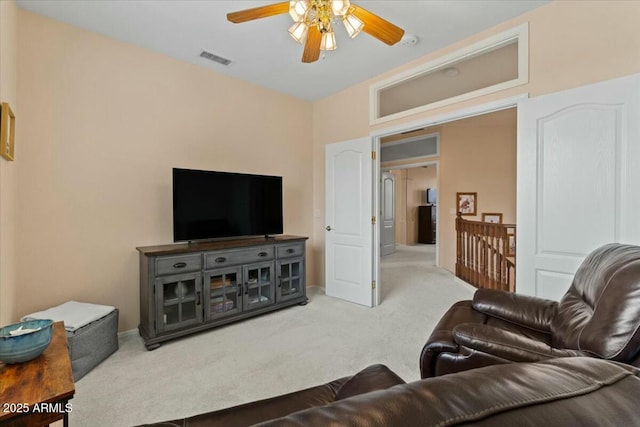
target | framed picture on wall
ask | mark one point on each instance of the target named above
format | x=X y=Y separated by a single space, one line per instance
x=511 y=244
x=7 y=131
x=494 y=218
x=466 y=203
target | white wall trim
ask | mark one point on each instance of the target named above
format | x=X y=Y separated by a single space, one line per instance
x=466 y=284
x=388 y=168
x=519 y=33
x=435 y=135
x=128 y=333
x=476 y=110
x=412 y=139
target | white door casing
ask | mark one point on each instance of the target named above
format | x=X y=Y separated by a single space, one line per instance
x=387 y=214
x=578 y=180
x=349 y=228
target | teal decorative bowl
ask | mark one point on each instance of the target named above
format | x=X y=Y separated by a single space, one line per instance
x=18 y=347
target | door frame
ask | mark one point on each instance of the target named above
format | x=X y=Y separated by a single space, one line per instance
x=376 y=135
x=435 y=163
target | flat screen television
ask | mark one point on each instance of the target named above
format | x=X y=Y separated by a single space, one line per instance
x=431 y=196
x=212 y=205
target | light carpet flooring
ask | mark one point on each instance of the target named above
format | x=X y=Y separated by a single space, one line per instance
x=280 y=352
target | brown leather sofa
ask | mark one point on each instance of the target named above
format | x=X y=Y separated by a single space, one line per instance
x=599 y=316
x=577 y=391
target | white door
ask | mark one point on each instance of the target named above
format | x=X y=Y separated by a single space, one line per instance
x=387 y=214
x=349 y=228
x=578 y=180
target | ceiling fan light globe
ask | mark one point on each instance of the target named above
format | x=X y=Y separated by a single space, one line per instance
x=328 y=41
x=298 y=9
x=352 y=24
x=340 y=7
x=298 y=31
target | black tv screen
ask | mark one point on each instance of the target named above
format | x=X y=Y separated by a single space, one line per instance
x=211 y=205
x=431 y=196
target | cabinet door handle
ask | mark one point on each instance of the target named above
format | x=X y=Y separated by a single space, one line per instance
x=180 y=265
x=262 y=254
x=246 y=288
x=239 y=289
x=220 y=259
x=198 y=299
x=290 y=251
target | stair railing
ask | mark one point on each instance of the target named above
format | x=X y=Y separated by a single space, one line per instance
x=485 y=254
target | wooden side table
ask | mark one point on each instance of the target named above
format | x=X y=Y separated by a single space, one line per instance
x=37 y=392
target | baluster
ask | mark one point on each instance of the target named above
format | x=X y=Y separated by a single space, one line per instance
x=481 y=254
x=496 y=257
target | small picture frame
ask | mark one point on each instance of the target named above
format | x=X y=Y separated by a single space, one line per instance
x=511 y=245
x=494 y=218
x=466 y=203
x=7 y=131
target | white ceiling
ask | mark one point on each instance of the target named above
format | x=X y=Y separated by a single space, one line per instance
x=263 y=52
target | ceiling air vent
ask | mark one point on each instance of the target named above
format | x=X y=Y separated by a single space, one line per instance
x=215 y=58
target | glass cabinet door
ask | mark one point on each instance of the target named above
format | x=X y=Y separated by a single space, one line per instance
x=258 y=285
x=290 y=278
x=224 y=287
x=178 y=301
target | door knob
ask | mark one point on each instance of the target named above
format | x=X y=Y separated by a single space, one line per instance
x=328 y=228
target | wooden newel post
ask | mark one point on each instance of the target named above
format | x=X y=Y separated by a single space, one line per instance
x=459 y=244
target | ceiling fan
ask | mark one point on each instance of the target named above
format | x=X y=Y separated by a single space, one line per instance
x=314 y=19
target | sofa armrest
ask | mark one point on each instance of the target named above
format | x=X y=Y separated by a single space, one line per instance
x=506 y=344
x=530 y=312
x=441 y=338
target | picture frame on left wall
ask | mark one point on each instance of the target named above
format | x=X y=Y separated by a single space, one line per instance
x=466 y=203
x=7 y=132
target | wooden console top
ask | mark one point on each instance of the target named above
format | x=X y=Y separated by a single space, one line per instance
x=46 y=379
x=181 y=248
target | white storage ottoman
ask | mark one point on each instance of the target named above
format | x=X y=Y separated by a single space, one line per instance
x=92 y=332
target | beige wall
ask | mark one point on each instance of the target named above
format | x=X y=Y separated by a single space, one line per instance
x=570 y=44
x=8 y=170
x=477 y=155
x=101 y=125
x=411 y=184
x=400 y=206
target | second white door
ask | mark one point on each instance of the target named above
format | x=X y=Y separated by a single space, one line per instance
x=349 y=228
x=578 y=180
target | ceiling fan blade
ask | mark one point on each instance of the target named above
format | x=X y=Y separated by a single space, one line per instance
x=312 y=45
x=258 y=12
x=377 y=27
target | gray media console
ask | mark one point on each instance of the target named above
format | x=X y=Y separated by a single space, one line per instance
x=186 y=288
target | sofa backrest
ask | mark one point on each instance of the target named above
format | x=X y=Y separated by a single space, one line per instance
x=572 y=391
x=600 y=313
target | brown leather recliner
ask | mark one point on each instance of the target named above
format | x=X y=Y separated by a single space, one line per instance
x=577 y=391
x=599 y=316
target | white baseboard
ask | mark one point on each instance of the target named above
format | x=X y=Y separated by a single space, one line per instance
x=462 y=282
x=128 y=333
